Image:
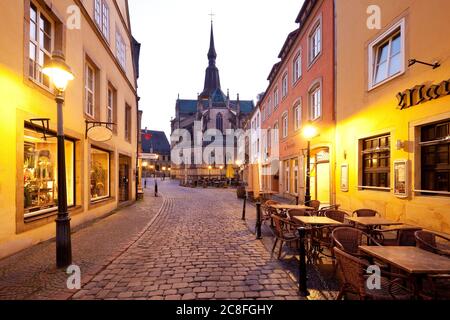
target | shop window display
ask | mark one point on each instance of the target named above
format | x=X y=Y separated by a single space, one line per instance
x=40 y=173
x=100 y=170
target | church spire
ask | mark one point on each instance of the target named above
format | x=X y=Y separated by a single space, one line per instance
x=212 y=55
x=212 y=79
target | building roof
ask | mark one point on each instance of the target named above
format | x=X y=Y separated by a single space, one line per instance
x=157 y=143
x=288 y=43
x=187 y=106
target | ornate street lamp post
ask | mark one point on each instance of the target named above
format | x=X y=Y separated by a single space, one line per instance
x=309 y=132
x=60 y=75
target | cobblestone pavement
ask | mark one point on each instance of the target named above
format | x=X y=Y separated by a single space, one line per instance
x=32 y=274
x=198 y=248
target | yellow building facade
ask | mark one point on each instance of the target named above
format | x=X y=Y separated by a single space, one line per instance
x=393 y=111
x=95 y=37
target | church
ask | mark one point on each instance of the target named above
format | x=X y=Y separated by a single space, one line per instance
x=211 y=110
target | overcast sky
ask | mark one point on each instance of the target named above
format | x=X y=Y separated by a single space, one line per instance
x=175 y=38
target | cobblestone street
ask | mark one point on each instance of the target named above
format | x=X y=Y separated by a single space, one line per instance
x=198 y=248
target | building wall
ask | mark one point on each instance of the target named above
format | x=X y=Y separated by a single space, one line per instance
x=321 y=71
x=364 y=113
x=24 y=100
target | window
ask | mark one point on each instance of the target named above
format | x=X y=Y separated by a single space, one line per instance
x=315 y=43
x=41 y=45
x=285 y=122
x=128 y=123
x=287 y=177
x=269 y=139
x=295 y=176
x=89 y=88
x=284 y=85
x=120 y=50
x=269 y=106
x=435 y=153
x=376 y=155
x=275 y=98
x=219 y=122
x=386 y=56
x=297 y=116
x=100 y=174
x=110 y=107
x=297 y=67
x=276 y=136
x=258 y=123
x=315 y=101
x=40 y=170
x=101 y=17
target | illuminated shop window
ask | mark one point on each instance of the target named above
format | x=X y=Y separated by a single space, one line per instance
x=40 y=173
x=100 y=175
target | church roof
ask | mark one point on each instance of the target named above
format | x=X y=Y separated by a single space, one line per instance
x=187 y=106
x=190 y=106
x=157 y=143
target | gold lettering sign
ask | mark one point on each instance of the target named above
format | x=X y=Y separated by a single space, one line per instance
x=421 y=94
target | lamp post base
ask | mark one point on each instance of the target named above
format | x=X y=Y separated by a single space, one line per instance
x=63 y=242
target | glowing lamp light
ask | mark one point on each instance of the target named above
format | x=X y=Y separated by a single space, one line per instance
x=209 y=167
x=58 y=72
x=221 y=167
x=238 y=163
x=164 y=168
x=310 y=131
x=145 y=164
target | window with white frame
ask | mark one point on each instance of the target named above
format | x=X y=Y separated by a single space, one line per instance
x=284 y=85
x=269 y=106
x=41 y=45
x=285 y=123
x=269 y=138
x=276 y=134
x=101 y=17
x=387 y=55
x=287 y=176
x=297 y=116
x=120 y=50
x=295 y=176
x=89 y=88
x=275 y=98
x=297 y=67
x=315 y=43
x=315 y=101
x=110 y=108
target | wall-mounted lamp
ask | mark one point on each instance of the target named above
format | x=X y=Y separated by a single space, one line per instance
x=412 y=62
x=400 y=144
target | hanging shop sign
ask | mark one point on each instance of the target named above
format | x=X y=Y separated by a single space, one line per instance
x=99 y=131
x=422 y=93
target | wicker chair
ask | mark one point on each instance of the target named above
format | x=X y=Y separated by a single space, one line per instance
x=297 y=213
x=268 y=211
x=365 y=213
x=355 y=276
x=336 y=215
x=283 y=233
x=396 y=236
x=314 y=204
x=433 y=242
x=349 y=239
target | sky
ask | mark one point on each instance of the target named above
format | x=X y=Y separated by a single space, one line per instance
x=174 y=35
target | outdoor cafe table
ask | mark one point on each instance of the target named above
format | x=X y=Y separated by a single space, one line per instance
x=316 y=221
x=285 y=207
x=417 y=263
x=372 y=222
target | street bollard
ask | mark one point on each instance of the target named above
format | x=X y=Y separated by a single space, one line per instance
x=258 y=220
x=244 y=207
x=302 y=282
x=156 y=188
x=297 y=200
x=145 y=184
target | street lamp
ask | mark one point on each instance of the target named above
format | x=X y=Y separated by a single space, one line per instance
x=209 y=171
x=309 y=132
x=60 y=75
